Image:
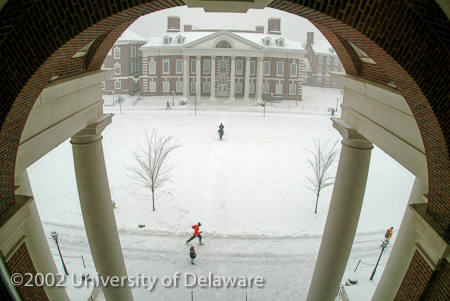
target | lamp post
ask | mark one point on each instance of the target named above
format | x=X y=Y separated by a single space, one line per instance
x=173 y=98
x=337 y=103
x=55 y=237
x=113 y=98
x=375 y=269
x=120 y=105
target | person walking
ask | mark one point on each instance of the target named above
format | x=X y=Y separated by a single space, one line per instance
x=220 y=131
x=197 y=233
x=168 y=105
x=192 y=255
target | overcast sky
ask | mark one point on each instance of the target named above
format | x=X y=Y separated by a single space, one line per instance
x=292 y=26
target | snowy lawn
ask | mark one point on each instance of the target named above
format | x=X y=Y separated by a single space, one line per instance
x=246 y=188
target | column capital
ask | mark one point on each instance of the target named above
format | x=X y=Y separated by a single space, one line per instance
x=351 y=137
x=92 y=131
x=233 y=57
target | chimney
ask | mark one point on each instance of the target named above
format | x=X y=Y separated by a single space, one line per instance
x=259 y=29
x=173 y=24
x=309 y=38
x=187 y=27
x=274 y=26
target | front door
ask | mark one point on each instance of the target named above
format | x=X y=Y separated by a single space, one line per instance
x=222 y=89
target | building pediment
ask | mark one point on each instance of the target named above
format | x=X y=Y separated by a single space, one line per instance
x=223 y=40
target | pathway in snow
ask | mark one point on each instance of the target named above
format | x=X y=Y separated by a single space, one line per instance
x=286 y=264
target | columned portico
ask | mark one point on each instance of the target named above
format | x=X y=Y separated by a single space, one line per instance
x=247 y=79
x=185 y=77
x=213 y=79
x=259 y=79
x=198 y=73
x=95 y=200
x=402 y=251
x=232 y=77
x=343 y=214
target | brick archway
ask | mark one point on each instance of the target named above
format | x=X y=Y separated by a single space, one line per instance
x=408 y=40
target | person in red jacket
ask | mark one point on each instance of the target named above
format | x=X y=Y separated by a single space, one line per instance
x=197 y=233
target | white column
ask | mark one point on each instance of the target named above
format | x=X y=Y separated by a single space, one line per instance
x=259 y=78
x=213 y=78
x=185 y=78
x=198 y=90
x=232 y=77
x=402 y=250
x=95 y=200
x=247 y=79
x=37 y=242
x=343 y=214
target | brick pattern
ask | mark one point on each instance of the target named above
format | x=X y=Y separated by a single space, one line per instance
x=408 y=39
x=21 y=263
x=408 y=53
x=416 y=279
x=439 y=288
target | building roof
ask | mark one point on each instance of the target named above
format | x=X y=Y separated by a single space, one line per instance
x=130 y=37
x=323 y=47
x=254 y=38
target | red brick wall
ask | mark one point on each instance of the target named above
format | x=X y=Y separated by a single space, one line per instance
x=407 y=38
x=21 y=263
x=439 y=288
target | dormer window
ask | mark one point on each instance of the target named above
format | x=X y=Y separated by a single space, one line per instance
x=167 y=40
x=331 y=50
x=180 y=39
x=280 y=42
x=267 y=41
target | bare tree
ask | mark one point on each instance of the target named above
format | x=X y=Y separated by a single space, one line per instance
x=153 y=169
x=324 y=156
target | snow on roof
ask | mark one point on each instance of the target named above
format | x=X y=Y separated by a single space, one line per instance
x=323 y=47
x=257 y=38
x=130 y=37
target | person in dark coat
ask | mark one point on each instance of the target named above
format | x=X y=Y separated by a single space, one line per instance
x=168 y=105
x=192 y=254
x=220 y=131
x=197 y=233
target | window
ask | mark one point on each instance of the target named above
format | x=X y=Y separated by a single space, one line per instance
x=222 y=67
x=252 y=88
x=327 y=70
x=118 y=85
x=336 y=61
x=320 y=60
x=319 y=70
x=193 y=86
x=328 y=60
x=167 y=40
x=293 y=70
x=266 y=88
x=252 y=67
x=132 y=67
x=166 y=86
x=117 y=69
x=278 y=88
x=152 y=67
x=280 y=42
x=319 y=80
x=280 y=68
x=117 y=53
x=239 y=67
x=166 y=67
x=179 y=86
x=327 y=80
x=223 y=44
x=180 y=40
x=292 y=88
x=193 y=66
x=152 y=86
x=179 y=66
x=335 y=69
x=206 y=86
x=238 y=87
x=266 y=41
x=266 y=68
x=103 y=85
x=206 y=66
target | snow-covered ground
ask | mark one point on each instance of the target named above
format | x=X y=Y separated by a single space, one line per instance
x=247 y=190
